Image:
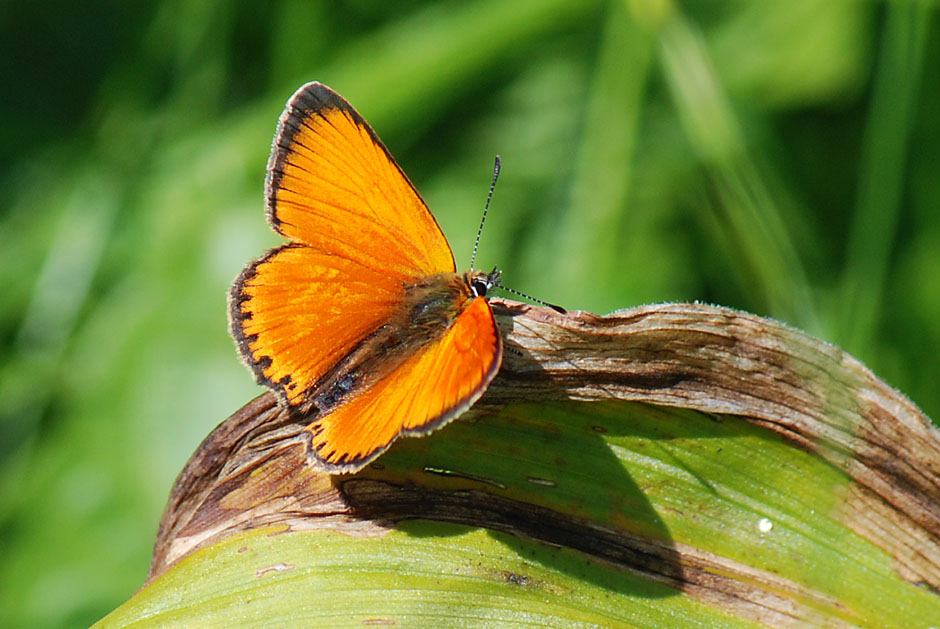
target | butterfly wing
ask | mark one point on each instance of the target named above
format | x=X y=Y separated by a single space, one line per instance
x=429 y=389
x=333 y=185
x=360 y=232
x=297 y=311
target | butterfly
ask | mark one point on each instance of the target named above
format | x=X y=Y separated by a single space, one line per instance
x=360 y=321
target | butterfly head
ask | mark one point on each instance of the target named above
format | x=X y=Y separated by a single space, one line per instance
x=482 y=282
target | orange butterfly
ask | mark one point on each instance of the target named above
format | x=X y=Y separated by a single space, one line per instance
x=361 y=321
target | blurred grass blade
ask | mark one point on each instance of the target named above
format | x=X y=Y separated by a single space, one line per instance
x=596 y=214
x=85 y=220
x=428 y=58
x=882 y=172
x=766 y=254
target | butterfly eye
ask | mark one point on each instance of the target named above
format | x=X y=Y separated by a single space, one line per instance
x=479 y=288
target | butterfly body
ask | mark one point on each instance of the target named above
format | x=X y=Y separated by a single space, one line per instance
x=360 y=323
x=429 y=307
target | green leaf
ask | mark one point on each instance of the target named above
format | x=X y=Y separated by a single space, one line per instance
x=424 y=573
x=657 y=497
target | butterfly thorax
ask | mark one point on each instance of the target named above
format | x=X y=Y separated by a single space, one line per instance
x=429 y=307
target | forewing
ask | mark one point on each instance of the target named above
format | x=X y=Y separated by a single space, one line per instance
x=298 y=311
x=429 y=389
x=333 y=185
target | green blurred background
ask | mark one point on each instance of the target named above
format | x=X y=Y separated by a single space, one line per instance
x=778 y=157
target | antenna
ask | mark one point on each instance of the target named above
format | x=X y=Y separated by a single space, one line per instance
x=489 y=197
x=494 y=276
x=518 y=293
